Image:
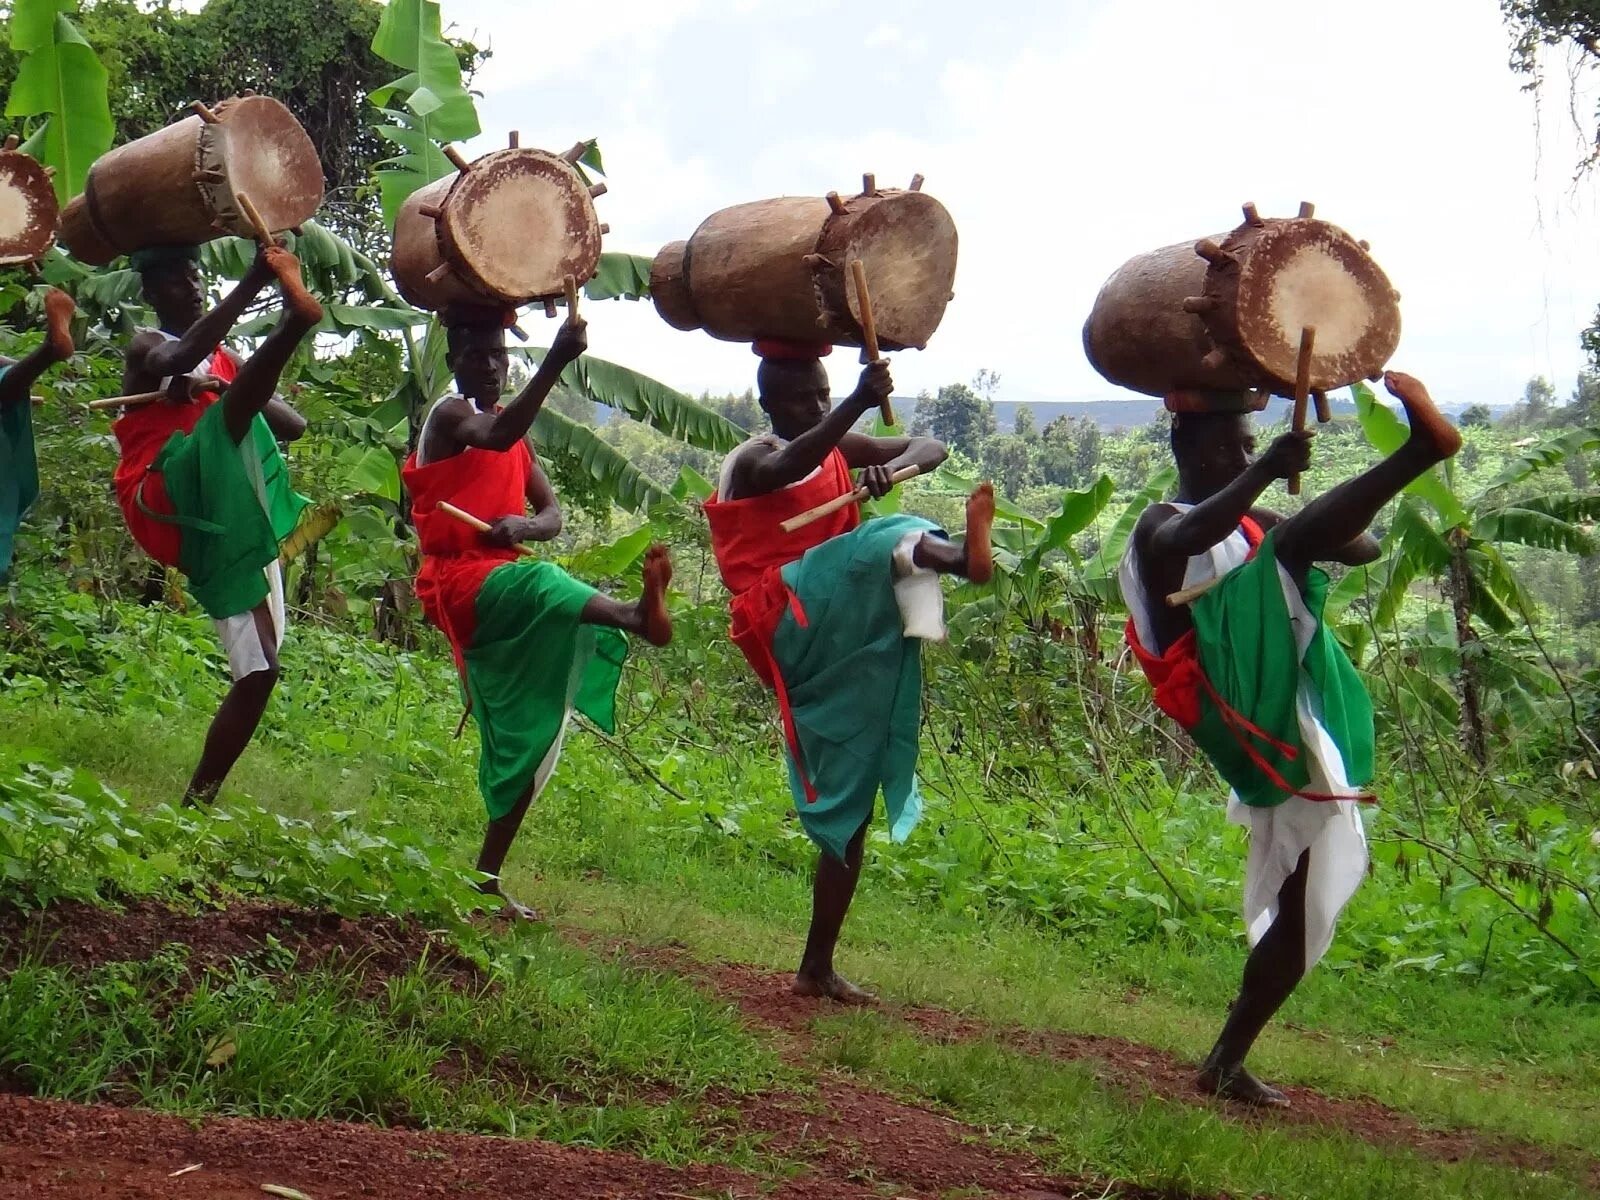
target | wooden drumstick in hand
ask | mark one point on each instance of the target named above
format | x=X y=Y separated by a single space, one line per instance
x=1302 y=390
x=477 y=523
x=253 y=215
x=201 y=383
x=569 y=284
x=869 y=330
x=801 y=520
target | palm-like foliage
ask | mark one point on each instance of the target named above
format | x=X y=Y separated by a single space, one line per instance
x=1438 y=534
x=62 y=80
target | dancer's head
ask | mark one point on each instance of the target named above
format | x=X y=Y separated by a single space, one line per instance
x=792 y=385
x=1213 y=438
x=475 y=341
x=170 y=279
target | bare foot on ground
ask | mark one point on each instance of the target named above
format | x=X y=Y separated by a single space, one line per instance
x=297 y=301
x=832 y=986
x=1429 y=427
x=980 y=518
x=655 y=621
x=58 y=312
x=1237 y=1084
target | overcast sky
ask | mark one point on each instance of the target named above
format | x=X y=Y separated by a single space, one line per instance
x=1065 y=137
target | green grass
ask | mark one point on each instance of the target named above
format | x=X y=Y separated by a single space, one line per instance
x=574 y=1048
x=1060 y=1111
x=561 y=1045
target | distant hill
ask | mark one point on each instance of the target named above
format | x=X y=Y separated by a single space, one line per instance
x=1124 y=412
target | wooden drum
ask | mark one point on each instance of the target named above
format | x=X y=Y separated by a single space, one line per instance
x=781 y=269
x=28 y=209
x=177 y=186
x=502 y=232
x=1225 y=313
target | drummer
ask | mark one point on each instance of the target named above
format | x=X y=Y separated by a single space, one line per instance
x=831 y=616
x=202 y=484
x=531 y=642
x=19 y=472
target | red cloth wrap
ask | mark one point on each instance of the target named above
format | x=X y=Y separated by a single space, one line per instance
x=141 y=433
x=752 y=549
x=1175 y=676
x=779 y=348
x=489 y=484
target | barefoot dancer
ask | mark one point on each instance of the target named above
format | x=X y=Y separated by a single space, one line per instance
x=530 y=641
x=1262 y=687
x=202 y=484
x=19 y=469
x=831 y=616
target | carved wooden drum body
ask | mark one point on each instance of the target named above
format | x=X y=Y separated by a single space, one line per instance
x=781 y=269
x=28 y=210
x=503 y=232
x=1225 y=313
x=178 y=185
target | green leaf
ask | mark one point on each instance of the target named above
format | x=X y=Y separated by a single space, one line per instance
x=610 y=561
x=621 y=480
x=691 y=485
x=620 y=277
x=1078 y=511
x=1387 y=433
x=65 y=81
x=371 y=469
x=410 y=36
x=645 y=399
x=1100 y=572
x=33 y=23
x=1532 y=522
x=1550 y=453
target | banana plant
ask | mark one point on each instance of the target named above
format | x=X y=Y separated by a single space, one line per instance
x=1438 y=534
x=62 y=80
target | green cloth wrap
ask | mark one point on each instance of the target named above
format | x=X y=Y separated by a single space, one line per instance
x=1247 y=647
x=19 y=473
x=855 y=684
x=233 y=504
x=531 y=661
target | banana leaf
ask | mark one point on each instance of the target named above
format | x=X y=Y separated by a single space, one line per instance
x=64 y=81
x=621 y=480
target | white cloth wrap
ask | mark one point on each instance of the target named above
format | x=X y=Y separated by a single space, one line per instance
x=1330 y=829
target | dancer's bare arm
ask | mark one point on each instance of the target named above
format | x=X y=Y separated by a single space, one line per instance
x=543 y=521
x=504 y=429
x=762 y=469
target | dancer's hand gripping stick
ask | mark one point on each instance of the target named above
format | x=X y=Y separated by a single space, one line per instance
x=801 y=520
x=477 y=523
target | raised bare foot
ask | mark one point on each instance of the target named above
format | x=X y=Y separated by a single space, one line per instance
x=655 y=620
x=58 y=311
x=297 y=301
x=1238 y=1085
x=832 y=986
x=1429 y=427
x=980 y=519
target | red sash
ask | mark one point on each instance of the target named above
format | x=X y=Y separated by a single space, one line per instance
x=489 y=484
x=141 y=433
x=752 y=549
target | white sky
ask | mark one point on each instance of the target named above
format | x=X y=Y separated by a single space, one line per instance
x=1066 y=137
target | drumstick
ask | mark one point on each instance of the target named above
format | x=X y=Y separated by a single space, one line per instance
x=253 y=215
x=801 y=520
x=204 y=383
x=569 y=284
x=1190 y=594
x=1302 y=389
x=481 y=526
x=869 y=330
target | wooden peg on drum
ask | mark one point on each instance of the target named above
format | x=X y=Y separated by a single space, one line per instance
x=12 y=142
x=1302 y=388
x=869 y=331
x=457 y=159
